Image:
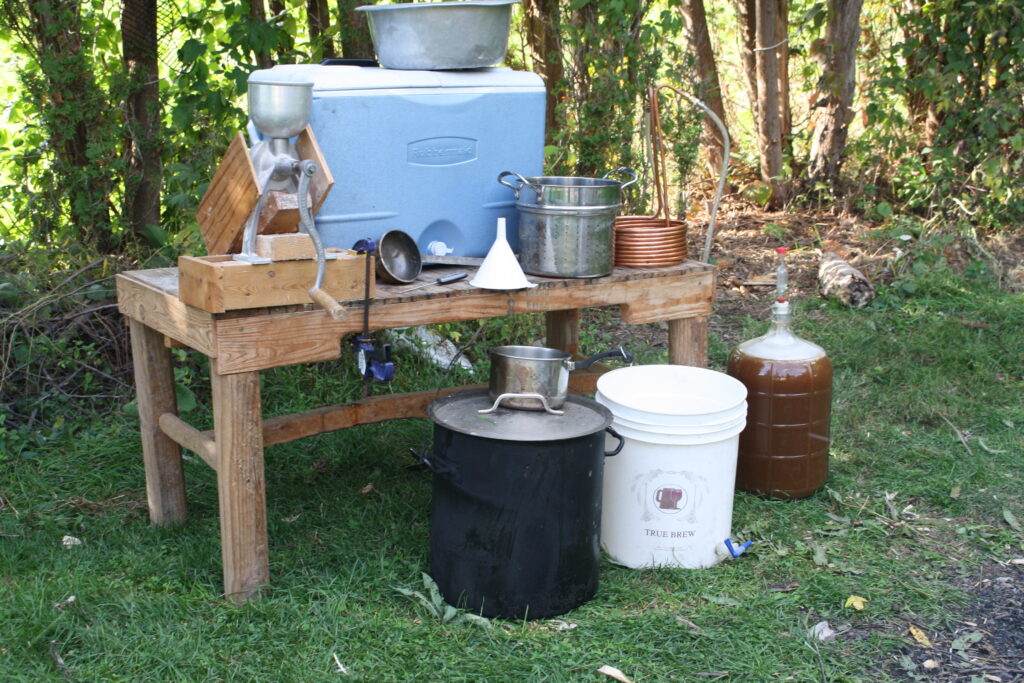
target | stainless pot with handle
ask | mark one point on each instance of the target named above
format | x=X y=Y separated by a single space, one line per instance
x=535 y=377
x=565 y=223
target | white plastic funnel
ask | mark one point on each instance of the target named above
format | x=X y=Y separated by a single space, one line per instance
x=500 y=270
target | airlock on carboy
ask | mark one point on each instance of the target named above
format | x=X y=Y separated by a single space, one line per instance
x=783 y=451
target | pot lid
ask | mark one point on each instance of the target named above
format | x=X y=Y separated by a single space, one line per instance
x=458 y=413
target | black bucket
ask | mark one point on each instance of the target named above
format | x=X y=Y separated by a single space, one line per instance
x=515 y=525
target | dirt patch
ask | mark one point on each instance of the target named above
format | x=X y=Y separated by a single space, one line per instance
x=744 y=253
x=985 y=644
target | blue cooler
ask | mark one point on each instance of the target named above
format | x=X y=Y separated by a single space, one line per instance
x=420 y=151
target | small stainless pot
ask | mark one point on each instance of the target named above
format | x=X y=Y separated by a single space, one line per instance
x=537 y=370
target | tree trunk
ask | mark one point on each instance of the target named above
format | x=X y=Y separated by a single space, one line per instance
x=319 y=19
x=769 y=121
x=924 y=58
x=828 y=140
x=541 y=18
x=142 y=128
x=710 y=91
x=258 y=13
x=355 y=32
x=786 y=115
x=746 y=15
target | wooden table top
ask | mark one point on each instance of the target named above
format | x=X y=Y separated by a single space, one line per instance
x=258 y=338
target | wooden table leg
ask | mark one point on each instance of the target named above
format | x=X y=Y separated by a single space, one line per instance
x=238 y=433
x=688 y=341
x=154 y=386
x=563 y=330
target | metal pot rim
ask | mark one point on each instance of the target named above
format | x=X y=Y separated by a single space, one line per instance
x=585 y=210
x=523 y=352
x=458 y=413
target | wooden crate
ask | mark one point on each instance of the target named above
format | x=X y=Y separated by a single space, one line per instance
x=219 y=283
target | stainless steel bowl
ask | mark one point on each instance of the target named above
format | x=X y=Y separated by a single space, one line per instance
x=465 y=34
x=398 y=258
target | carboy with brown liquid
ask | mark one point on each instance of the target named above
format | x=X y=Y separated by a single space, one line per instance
x=783 y=451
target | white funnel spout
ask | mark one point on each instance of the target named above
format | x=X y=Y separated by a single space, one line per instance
x=500 y=270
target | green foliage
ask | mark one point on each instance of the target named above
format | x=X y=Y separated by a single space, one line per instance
x=434 y=606
x=59 y=175
x=612 y=52
x=943 y=104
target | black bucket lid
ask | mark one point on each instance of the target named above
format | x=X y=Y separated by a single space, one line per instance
x=458 y=413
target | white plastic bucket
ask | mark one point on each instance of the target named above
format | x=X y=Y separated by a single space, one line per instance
x=672 y=395
x=668 y=495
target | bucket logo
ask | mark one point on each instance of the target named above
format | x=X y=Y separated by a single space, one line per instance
x=441 y=151
x=670 y=500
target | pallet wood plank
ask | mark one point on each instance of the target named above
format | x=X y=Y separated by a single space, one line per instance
x=292 y=247
x=246 y=343
x=319 y=185
x=229 y=199
x=240 y=484
x=153 y=300
x=280 y=215
x=219 y=283
x=154 y=383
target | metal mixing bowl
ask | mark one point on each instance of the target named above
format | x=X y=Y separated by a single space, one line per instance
x=398 y=258
x=466 y=34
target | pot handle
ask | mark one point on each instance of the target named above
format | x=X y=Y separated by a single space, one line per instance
x=620 y=352
x=543 y=401
x=515 y=188
x=628 y=171
x=622 y=441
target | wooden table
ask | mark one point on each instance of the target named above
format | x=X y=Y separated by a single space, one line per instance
x=241 y=343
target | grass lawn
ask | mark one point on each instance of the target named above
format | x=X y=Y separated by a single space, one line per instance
x=924 y=503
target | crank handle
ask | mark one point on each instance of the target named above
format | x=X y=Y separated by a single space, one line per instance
x=329 y=304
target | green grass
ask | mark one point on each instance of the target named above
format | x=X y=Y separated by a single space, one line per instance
x=907 y=515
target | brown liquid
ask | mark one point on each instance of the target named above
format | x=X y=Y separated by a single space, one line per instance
x=783 y=451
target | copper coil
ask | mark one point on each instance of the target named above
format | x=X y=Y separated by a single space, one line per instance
x=671 y=240
x=649 y=262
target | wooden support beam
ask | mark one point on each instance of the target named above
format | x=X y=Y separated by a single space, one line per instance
x=295 y=426
x=189 y=437
x=154 y=385
x=563 y=330
x=688 y=342
x=240 y=484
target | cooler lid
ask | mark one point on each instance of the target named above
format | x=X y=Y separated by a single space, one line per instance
x=458 y=413
x=329 y=78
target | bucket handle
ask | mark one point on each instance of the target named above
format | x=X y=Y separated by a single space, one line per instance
x=622 y=441
x=523 y=182
x=627 y=171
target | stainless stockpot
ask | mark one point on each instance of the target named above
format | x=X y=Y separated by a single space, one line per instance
x=566 y=223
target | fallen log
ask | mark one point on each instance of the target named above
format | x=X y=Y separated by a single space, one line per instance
x=839 y=280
